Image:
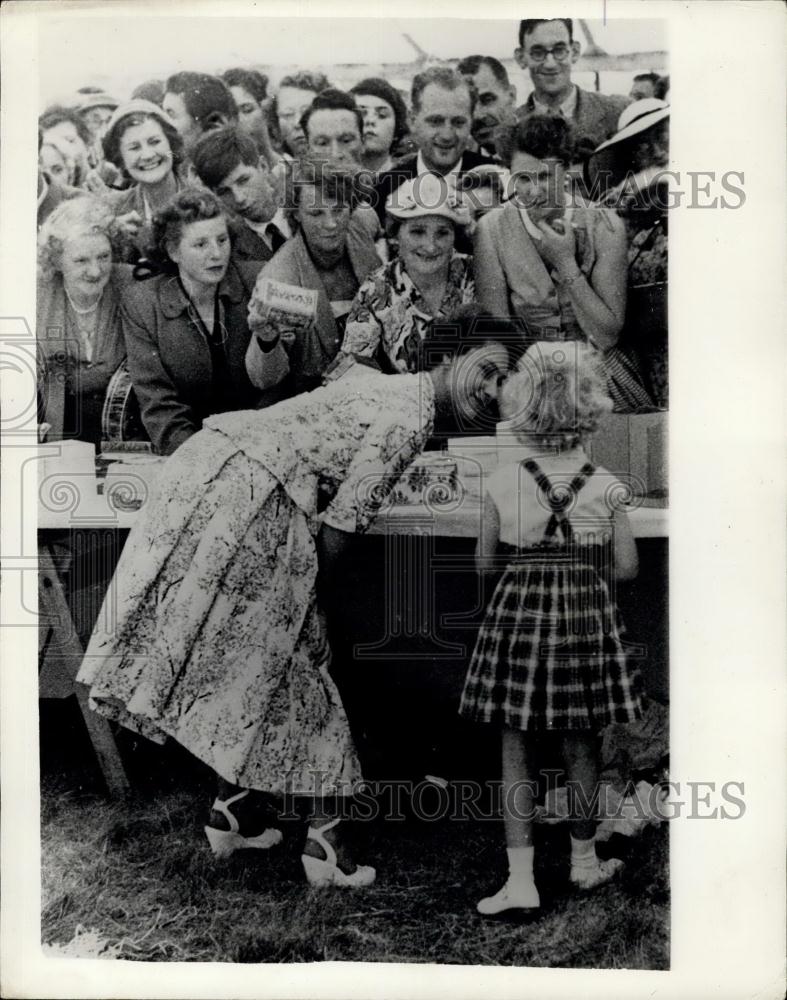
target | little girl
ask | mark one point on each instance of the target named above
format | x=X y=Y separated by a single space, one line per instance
x=549 y=656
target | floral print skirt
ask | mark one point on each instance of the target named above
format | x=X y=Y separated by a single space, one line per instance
x=217 y=640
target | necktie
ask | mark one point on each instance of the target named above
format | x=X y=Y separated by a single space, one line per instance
x=275 y=235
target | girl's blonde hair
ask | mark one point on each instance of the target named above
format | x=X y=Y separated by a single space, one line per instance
x=84 y=215
x=558 y=390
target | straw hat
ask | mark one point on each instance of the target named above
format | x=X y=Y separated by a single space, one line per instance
x=637 y=117
x=428 y=194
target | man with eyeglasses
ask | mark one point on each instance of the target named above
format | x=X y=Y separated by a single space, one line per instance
x=547 y=50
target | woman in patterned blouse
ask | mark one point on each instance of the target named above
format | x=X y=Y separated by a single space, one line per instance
x=427 y=280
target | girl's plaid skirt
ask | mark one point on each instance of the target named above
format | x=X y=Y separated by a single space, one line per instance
x=550 y=652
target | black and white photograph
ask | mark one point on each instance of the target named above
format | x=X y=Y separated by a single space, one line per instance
x=349 y=460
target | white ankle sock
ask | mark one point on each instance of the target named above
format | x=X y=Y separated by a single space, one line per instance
x=520 y=865
x=583 y=853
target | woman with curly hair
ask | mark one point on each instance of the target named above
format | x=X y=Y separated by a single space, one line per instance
x=553 y=261
x=186 y=328
x=549 y=658
x=142 y=142
x=80 y=340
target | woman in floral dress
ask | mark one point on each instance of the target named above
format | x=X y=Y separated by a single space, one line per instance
x=219 y=641
x=427 y=280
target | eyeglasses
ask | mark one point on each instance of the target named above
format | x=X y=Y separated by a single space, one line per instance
x=560 y=52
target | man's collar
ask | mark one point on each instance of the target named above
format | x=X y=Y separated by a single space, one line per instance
x=261 y=228
x=421 y=167
x=567 y=108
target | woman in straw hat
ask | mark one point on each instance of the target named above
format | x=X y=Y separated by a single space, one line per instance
x=427 y=280
x=635 y=161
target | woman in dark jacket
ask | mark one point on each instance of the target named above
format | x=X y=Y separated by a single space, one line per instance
x=186 y=330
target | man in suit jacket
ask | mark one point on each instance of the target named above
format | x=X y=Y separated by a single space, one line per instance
x=547 y=49
x=228 y=163
x=443 y=102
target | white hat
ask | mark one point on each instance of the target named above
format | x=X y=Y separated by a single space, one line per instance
x=428 y=194
x=636 y=117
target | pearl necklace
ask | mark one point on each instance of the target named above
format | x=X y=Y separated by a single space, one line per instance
x=77 y=310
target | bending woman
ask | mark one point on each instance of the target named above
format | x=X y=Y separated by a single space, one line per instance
x=220 y=643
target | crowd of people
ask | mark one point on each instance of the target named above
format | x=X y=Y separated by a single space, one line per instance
x=434 y=234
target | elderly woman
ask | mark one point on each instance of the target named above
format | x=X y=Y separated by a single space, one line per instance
x=384 y=121
x=427 y=280
x=220 y=643
x=141 y=141
x=78 y=316
x=552 y=261
x=331 y=254
x=186 y=330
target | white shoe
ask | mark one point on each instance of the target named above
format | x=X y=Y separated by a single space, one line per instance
x=223 y=843
x=599 y=873
x=510 y=898
x=327 y=872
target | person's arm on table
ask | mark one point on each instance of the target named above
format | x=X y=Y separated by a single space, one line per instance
x=267 y=361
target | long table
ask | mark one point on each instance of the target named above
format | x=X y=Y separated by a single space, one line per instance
x=411 y=603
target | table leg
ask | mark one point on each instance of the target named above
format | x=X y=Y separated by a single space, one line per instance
x=61 y=653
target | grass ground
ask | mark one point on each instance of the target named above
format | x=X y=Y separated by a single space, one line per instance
x=140 y=874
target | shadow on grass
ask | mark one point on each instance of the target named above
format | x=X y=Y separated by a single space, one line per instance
x=141 y=875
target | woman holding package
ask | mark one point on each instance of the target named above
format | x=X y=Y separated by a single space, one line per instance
x=331 y=254
x=427 y=279
x=80 y=340
x=551 y=260
x=220 y=643
x=186 y=329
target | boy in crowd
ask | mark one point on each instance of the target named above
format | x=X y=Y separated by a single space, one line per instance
x=227 y=162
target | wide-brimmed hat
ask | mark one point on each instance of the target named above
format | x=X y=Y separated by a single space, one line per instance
x=637 y=117
x=428 y=194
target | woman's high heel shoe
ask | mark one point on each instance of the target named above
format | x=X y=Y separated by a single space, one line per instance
x=225 y=842
x=327 y=872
